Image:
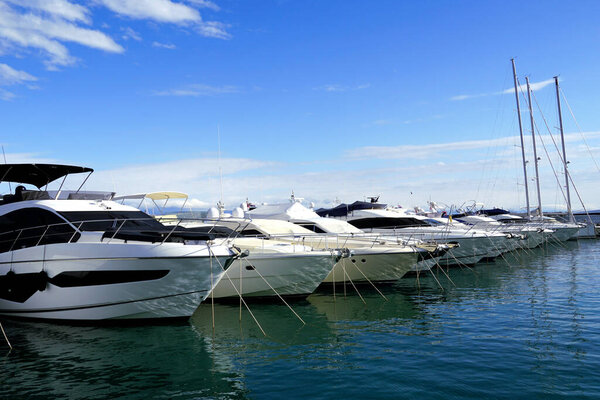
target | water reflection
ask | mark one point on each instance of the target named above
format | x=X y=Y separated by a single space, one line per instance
x=526 y=324
x=62 y=361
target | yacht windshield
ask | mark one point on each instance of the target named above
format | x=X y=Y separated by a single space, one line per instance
x=106 y=220
x=431 y=221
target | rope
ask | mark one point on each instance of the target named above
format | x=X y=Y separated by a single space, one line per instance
x=5 y=337
x=238 y=292
x=278 y=295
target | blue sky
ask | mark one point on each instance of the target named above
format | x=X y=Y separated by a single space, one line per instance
x=327 y=98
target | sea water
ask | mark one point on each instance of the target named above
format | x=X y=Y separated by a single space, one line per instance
x=526 y=326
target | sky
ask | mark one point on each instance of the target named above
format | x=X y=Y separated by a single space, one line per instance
x=331 y=100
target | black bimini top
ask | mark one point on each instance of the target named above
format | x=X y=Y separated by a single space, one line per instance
x=345 y=209
x=37 y=174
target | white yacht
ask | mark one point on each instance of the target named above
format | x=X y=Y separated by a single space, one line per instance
x=378 y=250
x=268 y=268
x=87 y=258
x=473 y=245
x=361 y=261
x=360 y=241
x=561 y=231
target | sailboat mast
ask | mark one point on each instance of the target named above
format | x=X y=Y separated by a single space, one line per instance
x=521 y=133
x=564 y=152
x=537 y=172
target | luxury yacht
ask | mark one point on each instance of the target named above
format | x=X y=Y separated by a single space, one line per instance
x=269 y=267
x=81 y=256
x=561 y=231
x=473 y=245
x=296 y=213
x=529 y=236
x=360 y=261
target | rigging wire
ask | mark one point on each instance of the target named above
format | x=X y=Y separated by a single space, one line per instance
x=579 y=127
x=570 y=178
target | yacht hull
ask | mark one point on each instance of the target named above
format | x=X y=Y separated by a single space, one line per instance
x=373 y=265
x=108 y=281
x=266 y=275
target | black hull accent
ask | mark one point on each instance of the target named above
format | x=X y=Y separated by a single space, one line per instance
x=20 y=287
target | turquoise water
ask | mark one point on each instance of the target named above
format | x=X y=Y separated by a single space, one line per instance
x=525 y=327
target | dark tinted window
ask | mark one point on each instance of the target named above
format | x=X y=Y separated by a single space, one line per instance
x=311 y=227
x=29 y=226
x=108 y=220
x=250 y=232
x=387 y=223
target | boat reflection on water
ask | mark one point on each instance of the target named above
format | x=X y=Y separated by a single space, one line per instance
x=66 y=361
x=278 y=322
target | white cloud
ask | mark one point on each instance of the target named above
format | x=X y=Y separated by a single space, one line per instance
x=58 y=8
x=204 y=4
x=333 y=87
x=129 y=33
x=11 y=76
x=157 y=10
x=534 y=86
x=436 y=150
x=423 y=151
x=48 y=25
x=196 y=90
x=25 y=158
x=168 y=46
x=167 y=11
x=382 y=122
x=33 y=26
x=214 y=29
x=522 y=88
x=188 y=176
x=462 y=176
x=6 y=95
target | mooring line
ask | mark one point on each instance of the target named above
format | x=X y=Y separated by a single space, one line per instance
x=355 y=288
x=368 y=280
x=5 y=337
x=275 y=291
x=239 y=294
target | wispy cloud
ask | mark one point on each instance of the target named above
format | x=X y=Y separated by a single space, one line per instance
x=522 y=88
x=47 y=25
x=63 y=9
x=10 y=76
x=193 y=176
x=534 y=86
x=167 y=11
x=168 y=46
x=341 y=88
x=157 y=10
x=436 y=150
x=129 y=33
x=204 y=4
x=461 y=176
x=198 y=90
x=382 y=122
